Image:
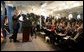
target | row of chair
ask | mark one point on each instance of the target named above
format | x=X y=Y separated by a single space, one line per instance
x=63 y=41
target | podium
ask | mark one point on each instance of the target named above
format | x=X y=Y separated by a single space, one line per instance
x=26 y=30
x=26 y=35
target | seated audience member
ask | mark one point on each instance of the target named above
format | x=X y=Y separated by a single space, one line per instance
x=5 y=27
x=59 y=28
x=73 y=30
x=53 y=30
x=68 y=30
x=77 y=40
x=53 y=26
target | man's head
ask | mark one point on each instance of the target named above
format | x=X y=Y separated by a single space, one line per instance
x=16 y=11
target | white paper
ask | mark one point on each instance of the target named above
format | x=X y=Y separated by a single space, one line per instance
x=21 y=18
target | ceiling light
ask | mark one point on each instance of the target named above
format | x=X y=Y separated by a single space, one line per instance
x=78 y=16
x=70 y=16
x=45 y=4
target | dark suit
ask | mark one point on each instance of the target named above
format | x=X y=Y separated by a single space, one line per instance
x=16 y=26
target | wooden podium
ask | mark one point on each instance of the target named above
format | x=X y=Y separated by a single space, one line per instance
x=26 y=35
x=26 y=29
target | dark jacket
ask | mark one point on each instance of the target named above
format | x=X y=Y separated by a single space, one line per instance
x=16 y=24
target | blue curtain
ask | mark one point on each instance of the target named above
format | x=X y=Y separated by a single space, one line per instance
x=1 y=21
x=10 y=14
